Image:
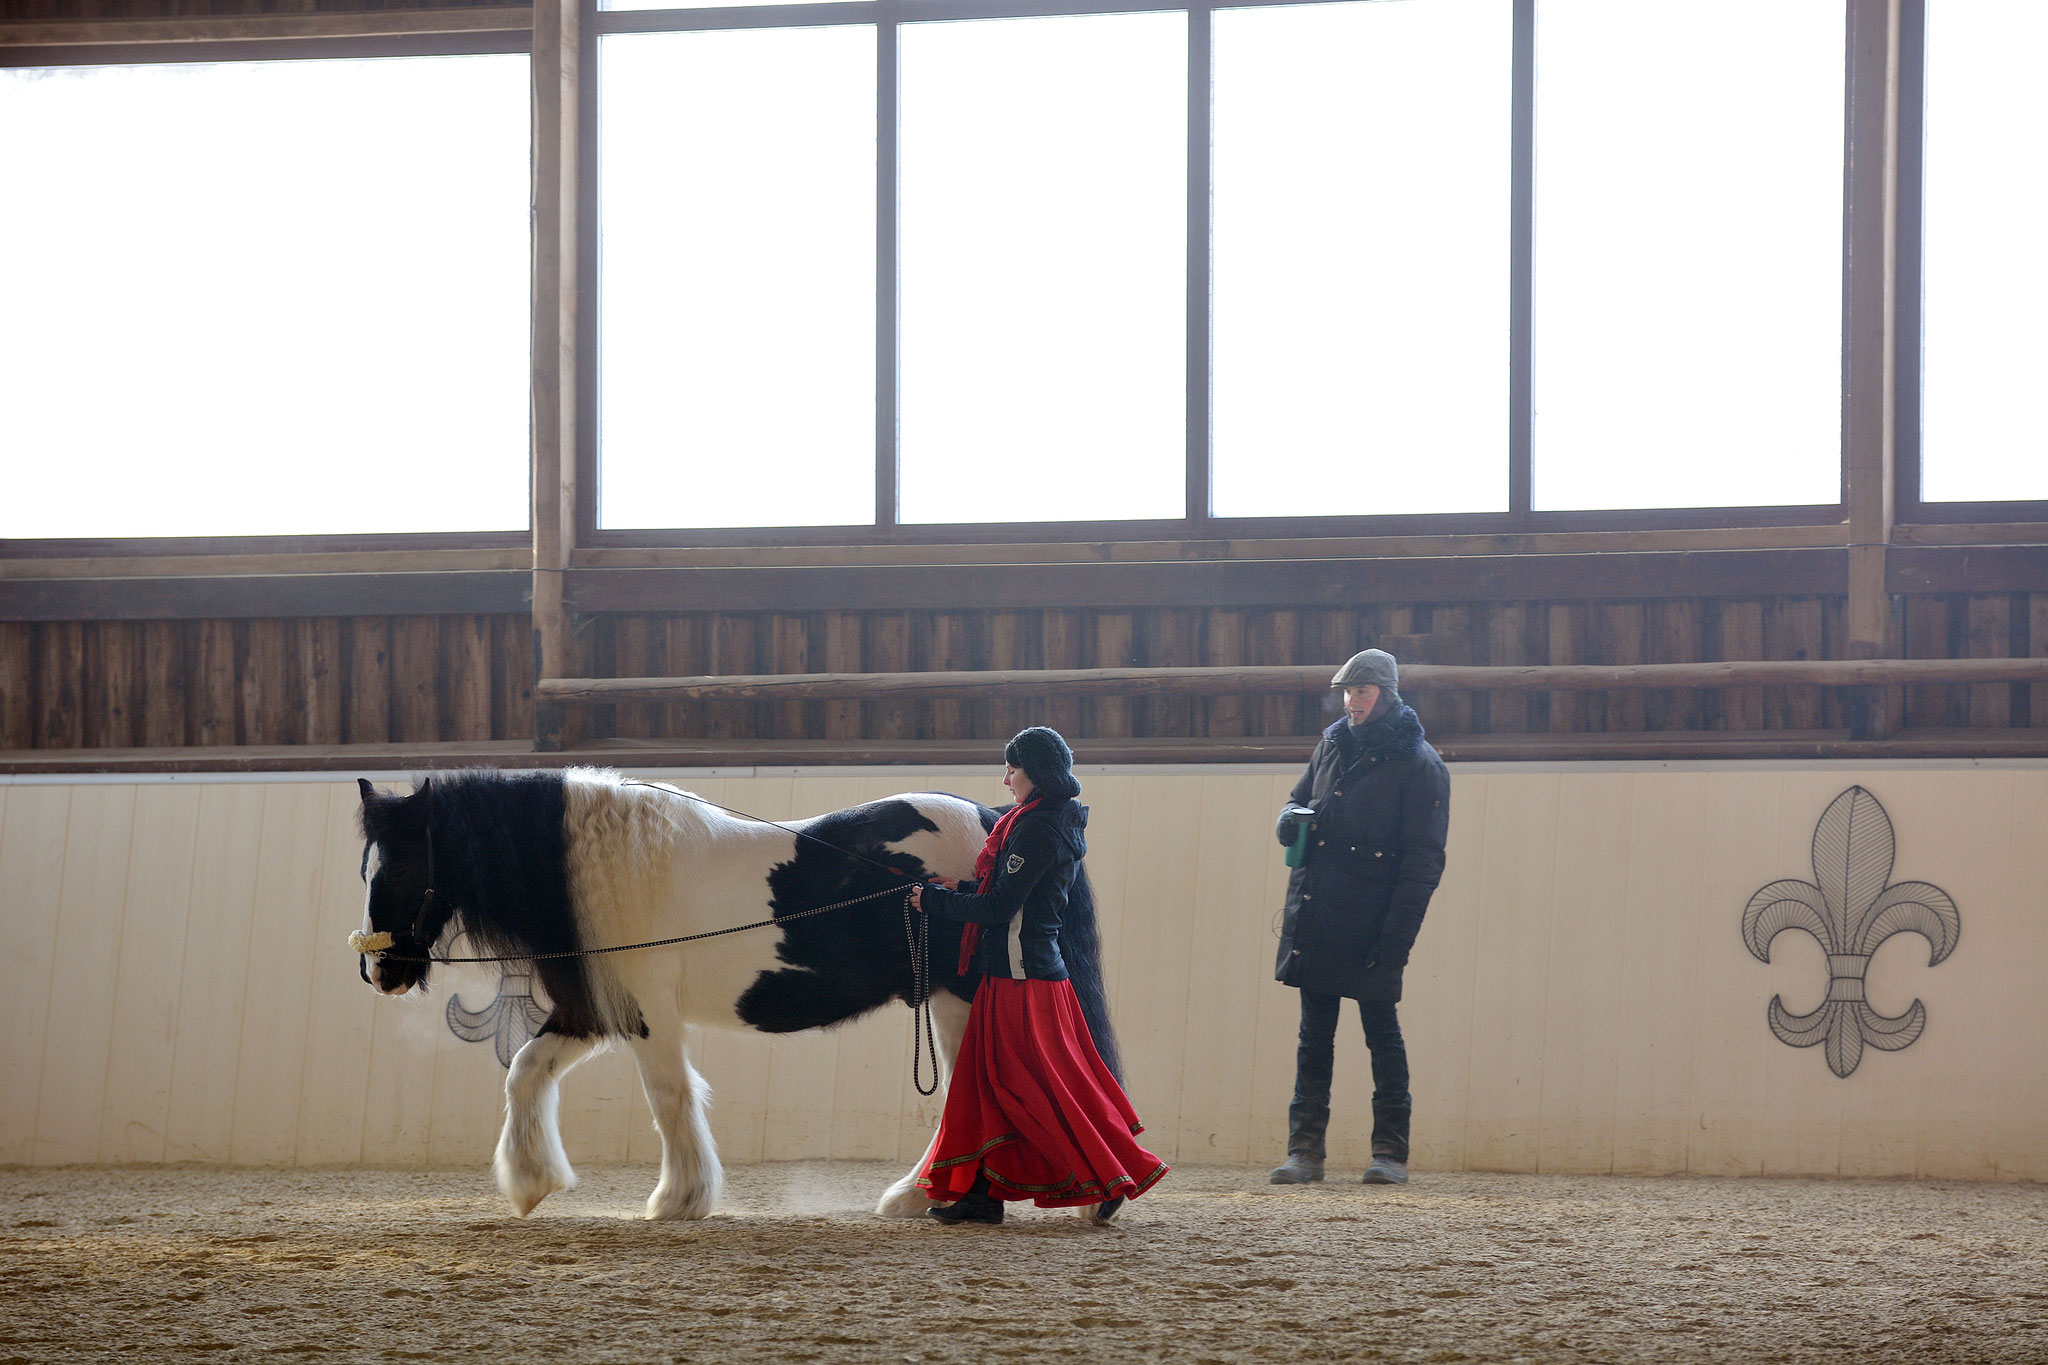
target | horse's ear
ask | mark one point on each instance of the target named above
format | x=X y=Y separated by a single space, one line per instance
x=369 y=792
x=426 y=785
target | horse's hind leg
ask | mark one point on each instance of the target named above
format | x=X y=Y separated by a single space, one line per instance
x=949 y=1021
x=691 y=1177
x=530 y=1162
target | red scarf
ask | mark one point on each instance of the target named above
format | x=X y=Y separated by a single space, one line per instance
x=985 y=877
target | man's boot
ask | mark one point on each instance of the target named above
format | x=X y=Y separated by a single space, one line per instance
x=1389 y=1145
x=1300 y=1168
x=1308 y=1117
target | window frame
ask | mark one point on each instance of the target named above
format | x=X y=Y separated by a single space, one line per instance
x=508 y=29
x=1199 y=523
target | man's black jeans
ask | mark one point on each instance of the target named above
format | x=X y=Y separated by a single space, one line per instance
x=1308 y=1118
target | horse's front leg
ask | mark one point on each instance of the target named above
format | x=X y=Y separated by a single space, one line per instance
x=530 y=1162
x=949 y=1022
x=691 y=1177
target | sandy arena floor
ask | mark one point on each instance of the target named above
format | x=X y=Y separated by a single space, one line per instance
x=231 y=1265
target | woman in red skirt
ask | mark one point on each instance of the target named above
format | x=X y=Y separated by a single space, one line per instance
x=1032 y=1112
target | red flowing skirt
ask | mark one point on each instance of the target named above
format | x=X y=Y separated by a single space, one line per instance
x=1032 y=1103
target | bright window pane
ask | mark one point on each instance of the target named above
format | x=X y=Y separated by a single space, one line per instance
x=1688 y=253
x=1985 y=290
x=1361 y=258
x=1044 y=228
x=265 y=298
x=737 y=186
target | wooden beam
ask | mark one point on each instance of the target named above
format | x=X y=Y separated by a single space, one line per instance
x=1288 y=750
x=227 y=564
x=217 y=597
x=1271 y=679
x=1967 y=569
x=233 y=28
x=1870 y=276
x=1305 y=545
x=1312 y=582
x=405 y=585
x=557 y=63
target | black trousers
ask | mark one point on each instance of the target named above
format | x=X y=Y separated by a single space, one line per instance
x=1308 y=1117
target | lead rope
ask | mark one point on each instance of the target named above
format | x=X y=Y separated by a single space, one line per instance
x=659 y=942
x=918 y=937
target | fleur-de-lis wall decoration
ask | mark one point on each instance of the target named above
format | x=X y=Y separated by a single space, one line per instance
x=510 y=1021
x=1851 y=906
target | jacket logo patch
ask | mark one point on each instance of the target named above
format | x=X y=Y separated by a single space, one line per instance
x=1015 y=865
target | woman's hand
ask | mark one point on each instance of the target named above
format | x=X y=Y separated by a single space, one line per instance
x=917 y=897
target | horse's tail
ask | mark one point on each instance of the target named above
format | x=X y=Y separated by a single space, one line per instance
x=1081 y=946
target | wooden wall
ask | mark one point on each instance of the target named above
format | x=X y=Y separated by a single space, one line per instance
x=325 y=680
x=176 y=986
x=318 y=680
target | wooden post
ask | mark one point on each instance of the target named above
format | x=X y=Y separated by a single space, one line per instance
x=1869 y=350
x=557 y=61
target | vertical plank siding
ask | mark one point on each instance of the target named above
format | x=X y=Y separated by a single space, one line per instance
x=423 y=679
x=1580 y=999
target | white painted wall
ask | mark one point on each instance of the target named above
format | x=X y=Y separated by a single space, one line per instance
x=176 y=988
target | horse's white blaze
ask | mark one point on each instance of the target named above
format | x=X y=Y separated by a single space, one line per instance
x=371 y=862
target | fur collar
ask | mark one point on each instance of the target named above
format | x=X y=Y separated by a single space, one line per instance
x=1396 y=736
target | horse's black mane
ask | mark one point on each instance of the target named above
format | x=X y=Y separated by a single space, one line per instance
x=500 y=868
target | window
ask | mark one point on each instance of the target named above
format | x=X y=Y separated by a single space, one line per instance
x=1044 y=203
x=1688 y=254
x=269 y=298
x=861 y=272
x=1361 y=258
x=738 y=275
x=1985 y=279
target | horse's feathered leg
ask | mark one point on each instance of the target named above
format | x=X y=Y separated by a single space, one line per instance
x=691 y=1176
x=949 y=1022
x=530 y=1163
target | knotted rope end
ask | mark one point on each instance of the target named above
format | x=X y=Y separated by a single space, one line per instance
x=360 y=942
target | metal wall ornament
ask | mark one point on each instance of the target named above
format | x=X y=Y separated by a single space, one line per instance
x=1851 y=906
x=509 y=1022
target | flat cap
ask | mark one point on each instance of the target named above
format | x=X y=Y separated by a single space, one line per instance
x=1369 y=668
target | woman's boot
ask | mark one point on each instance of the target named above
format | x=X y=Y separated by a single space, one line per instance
x=975 y=1206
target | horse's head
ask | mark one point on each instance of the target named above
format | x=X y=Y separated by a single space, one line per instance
x=398 y=869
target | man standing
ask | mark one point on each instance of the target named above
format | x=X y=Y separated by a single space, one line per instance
x=1376 y=802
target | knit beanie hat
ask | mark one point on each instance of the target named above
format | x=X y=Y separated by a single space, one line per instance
x=1043 y=757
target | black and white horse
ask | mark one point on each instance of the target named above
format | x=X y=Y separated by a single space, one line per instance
x=551 y=862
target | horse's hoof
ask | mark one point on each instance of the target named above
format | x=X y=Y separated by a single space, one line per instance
x=668 y=1204
x=1103 y=1212
x=903 y=1201
x=524 y=1190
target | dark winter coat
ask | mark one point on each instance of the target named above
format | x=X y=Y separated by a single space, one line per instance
x=1382 y=805
x=1020 y=913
